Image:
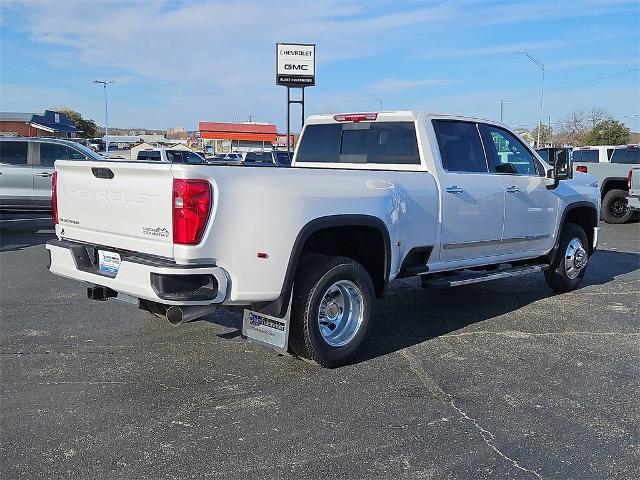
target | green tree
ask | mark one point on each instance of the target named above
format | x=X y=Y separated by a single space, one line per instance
x=608 y=132
x=88 y=128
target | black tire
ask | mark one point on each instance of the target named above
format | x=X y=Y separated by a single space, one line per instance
x=315 y=276
x=615 y=208
x=556 y=275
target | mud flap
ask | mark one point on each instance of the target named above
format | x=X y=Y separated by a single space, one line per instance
x=267 y=330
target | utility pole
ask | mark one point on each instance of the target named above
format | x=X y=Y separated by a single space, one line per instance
x=541 y=67
x=376 y=99
x=106 y=114
x=502 y=102
x=550 y=136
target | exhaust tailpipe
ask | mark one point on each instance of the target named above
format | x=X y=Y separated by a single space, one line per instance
x=177 y=315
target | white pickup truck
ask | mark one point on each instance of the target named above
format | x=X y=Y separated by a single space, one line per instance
x=306 y=250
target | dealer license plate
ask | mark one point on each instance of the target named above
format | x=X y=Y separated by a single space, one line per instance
x=108 y=262
x=266 y=329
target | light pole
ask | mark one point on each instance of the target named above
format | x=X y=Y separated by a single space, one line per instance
x=106 y=114
x=541 y=67
x=502 y=102
x=376 y=99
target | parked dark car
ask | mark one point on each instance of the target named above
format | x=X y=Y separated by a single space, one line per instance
x=268 y=158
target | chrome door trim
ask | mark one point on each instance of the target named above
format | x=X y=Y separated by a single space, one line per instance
x=478 y=243
x=481 y=243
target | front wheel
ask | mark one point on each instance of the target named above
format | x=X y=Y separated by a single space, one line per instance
x=332 y=309
x=570 y=263
x=615 y=208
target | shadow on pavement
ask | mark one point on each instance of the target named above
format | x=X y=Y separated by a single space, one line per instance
x=18 y=233
x=606 y=265
x=410 y=315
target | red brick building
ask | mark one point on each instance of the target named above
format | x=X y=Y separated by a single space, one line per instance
x=227 y=137
x=47 y=124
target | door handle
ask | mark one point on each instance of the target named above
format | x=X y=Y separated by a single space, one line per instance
x=454 y=189
x=44 y=174
x=513 y=189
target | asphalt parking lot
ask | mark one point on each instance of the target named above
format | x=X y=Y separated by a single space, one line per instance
x=496 y=380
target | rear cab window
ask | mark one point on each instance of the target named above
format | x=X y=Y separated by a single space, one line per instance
x=366 y=142
x=149 y=155
x=586 y=156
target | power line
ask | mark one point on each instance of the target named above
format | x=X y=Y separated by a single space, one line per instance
x=619 y=74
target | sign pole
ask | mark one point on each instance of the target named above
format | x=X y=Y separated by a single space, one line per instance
x=289 y=120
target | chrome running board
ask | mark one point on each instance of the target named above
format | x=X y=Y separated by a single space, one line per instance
x=466 y=277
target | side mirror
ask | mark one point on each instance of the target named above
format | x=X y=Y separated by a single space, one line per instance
x=562 y=167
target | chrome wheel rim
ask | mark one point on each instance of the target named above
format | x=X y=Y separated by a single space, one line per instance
x=575 y=258
x=341 y=313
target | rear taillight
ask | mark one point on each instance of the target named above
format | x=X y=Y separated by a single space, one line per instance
x=629 y=178
x=582 y=169
x=191 y=206
x=54 y=197
x=355 y=117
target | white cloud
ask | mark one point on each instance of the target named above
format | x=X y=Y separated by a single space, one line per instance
x=215 y=60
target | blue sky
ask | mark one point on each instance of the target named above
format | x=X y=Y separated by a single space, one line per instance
x=176 y=63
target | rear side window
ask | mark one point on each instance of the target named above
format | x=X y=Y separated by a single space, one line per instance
x=625 y=155
x=633 y=156
x=586 y=156
x=149 y=155
x=13 y=153
x=618 y=155
x=385 y=143
x=175 y=156
x=460 y=146
x=50 y=152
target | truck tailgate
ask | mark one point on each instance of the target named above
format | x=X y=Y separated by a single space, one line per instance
x=124 y=205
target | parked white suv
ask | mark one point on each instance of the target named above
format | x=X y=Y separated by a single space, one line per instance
x=306 y=250
x=170 y=155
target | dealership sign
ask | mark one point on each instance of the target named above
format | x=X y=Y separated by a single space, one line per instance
x=295 y=65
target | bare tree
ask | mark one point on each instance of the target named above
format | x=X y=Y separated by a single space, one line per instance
x=597 y=115
x=573 y=129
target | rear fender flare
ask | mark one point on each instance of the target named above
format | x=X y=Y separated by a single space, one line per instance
x=278 y=307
